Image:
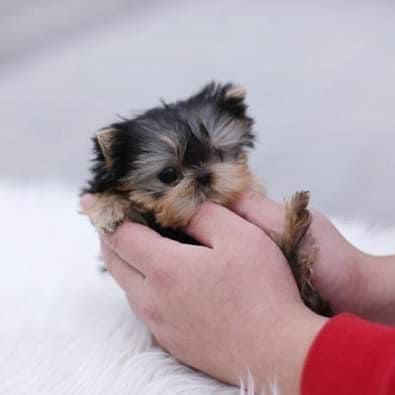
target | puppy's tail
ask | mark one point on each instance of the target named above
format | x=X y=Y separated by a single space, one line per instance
x=300 y=250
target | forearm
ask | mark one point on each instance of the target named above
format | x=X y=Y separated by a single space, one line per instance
x=291 y=340
x=378 y=289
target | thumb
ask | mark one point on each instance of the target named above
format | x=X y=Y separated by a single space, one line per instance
x=261 y=211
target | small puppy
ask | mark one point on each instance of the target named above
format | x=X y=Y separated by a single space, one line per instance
x=157 y=168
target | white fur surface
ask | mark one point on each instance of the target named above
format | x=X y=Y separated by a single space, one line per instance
x=67 y=329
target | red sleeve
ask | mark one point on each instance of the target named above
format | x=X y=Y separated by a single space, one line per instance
x=351 y=356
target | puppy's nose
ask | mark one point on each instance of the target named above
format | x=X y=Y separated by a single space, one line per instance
x=204 y=178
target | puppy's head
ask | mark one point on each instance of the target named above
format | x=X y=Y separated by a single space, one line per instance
x=172 y=158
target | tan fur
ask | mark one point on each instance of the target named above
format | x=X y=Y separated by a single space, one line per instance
x=178 y=206
x=236 y=92
x=173 y=205
x=104 y=138
x=298 y=220
x=108 y=211
x=299 y=248
x=142 y=201
x=230 y=180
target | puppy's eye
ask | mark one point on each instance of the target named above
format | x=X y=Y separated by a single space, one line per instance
x=168 y=175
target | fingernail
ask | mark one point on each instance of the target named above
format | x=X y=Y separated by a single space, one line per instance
x=87 y=201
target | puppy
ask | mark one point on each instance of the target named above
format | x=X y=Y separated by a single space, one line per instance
x=157 y=168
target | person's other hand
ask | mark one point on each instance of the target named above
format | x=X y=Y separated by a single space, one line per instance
x=226 y=307
x=349 y=279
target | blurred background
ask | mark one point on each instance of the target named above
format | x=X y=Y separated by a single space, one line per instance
x=320 y=78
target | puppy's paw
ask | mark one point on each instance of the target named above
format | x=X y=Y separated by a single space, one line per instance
x=107 y=213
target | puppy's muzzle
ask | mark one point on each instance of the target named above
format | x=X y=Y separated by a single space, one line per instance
x=204 y=178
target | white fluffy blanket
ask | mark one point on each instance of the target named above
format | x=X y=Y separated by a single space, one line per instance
x=65 y=328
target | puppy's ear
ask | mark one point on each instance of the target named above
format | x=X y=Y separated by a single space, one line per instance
x=104 y=139
x=234 y=91
x=233 y=100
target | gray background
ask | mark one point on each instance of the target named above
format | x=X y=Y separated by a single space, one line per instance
x=320 y=77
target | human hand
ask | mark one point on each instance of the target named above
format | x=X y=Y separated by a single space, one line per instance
x=227 y=307
x=352 y=281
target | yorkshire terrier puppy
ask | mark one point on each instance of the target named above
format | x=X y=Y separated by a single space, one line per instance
x=157 y=168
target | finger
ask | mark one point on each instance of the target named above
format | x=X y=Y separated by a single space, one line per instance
x=261 y=211
x=87 y=201
x=216 y=226
x=127 y=277
x=142 y=247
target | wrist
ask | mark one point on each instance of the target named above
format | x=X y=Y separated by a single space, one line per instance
x=289 y=345
x=377 y=291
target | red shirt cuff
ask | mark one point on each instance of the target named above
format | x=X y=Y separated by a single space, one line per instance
x=351 y=356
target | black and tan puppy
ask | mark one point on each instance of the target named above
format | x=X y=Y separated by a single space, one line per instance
x=158 y=167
